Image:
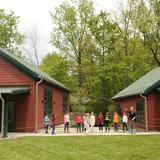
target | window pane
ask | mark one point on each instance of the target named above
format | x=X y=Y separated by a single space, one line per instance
x=140 y=111
x=48 y=101
x=64 y=103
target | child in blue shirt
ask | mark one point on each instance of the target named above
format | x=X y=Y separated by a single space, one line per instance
x=46 y=123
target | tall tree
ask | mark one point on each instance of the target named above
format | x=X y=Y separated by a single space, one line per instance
x=31 y=47
x=58 y=67
x=105 y=34
x=148 y=27
x=10 y=38
x=70 y=30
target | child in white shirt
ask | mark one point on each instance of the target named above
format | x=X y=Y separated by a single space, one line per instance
x=125 y=121
x=92 y=121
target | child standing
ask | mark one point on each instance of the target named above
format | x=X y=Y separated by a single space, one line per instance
x=46 y=122
x=100 y=121
x=66 y=122
x=107 y=122
x=54 y=122
x=92 y=121
x=78 y=121
x=115 y=120
x=86 y=121
x=83 y=120
x=124 y=120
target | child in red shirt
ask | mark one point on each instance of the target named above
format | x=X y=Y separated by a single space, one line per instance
x=78 y=121
x=100 y=121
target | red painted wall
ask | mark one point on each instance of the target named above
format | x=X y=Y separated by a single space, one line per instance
x=127 y=103
x=153 y=99
x=153 y=103
x=25 y=103
x=58 y=105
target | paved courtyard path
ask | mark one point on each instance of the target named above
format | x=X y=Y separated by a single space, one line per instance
x=73 y=132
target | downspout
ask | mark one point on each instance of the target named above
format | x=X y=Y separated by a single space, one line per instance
x=146 y=110
x=2 y=123
x=36 y=116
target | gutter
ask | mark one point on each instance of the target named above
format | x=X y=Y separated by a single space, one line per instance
x=146 y=111
x=36 y=106
x=2 y=123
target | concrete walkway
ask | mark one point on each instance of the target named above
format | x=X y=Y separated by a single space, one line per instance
x=72 y=132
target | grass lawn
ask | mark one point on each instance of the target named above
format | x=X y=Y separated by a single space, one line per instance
x=82 y=148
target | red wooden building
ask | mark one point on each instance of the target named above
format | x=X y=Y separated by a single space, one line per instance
x=26 y=93
x=144 y=96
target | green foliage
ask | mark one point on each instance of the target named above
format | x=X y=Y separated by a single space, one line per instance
x=147 y=28
x=112 y=108
x=78 y=108
x=10 y=38
x=105 y=56
x=70 y=34
x=58 y=67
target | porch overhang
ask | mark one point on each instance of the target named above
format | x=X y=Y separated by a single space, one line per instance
x=14 y=89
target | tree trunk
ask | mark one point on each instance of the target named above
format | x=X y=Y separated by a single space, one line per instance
x=80 y=76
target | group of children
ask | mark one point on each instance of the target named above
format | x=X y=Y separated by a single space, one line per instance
x=87 y=122
x=83 y=123
x=128 y=121
x=47 y=122
x=107 y=122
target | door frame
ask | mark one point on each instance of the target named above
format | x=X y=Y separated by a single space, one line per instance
x=13 y=128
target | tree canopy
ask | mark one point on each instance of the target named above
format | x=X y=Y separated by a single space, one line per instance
x=10 y=38
x=104 y=54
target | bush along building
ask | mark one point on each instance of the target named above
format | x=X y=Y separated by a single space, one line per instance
x=26 y=93
x=144 y=96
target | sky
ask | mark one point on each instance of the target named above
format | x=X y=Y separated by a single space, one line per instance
x=34 y=15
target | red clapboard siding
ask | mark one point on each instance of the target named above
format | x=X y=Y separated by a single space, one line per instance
x=11 y=75
x=58 y=105
x=25 y=103
x=153 y=103
x=41 y=106
x=153 y=99
x=127 y=103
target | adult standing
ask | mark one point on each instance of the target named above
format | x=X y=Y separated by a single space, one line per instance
x=66 y=122
x=132 y=118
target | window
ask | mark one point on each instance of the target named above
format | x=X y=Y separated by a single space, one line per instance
x=48 y=101
x=65 y=97
x=140 y=111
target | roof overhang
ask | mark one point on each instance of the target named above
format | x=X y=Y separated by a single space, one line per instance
x=31 y=70
x=14 y=89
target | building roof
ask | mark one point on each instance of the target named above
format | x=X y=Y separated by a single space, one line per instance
x=144 y=85
x=30 y=69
